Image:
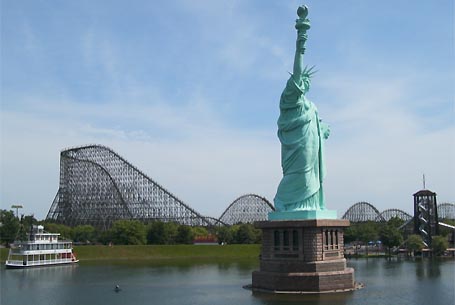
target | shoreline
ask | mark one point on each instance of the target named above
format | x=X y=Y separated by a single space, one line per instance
x=159 y=252
x=123 y=253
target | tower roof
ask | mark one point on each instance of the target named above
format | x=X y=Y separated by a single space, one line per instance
x=424 y=193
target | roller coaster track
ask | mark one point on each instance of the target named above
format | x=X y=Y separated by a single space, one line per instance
x=247 y=209
x=97 y=187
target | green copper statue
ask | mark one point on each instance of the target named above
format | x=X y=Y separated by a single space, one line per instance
x=301 y=134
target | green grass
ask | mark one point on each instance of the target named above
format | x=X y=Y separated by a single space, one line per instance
x=159 y=252
x=3 y=254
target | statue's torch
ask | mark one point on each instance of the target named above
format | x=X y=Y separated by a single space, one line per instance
x=302 y=25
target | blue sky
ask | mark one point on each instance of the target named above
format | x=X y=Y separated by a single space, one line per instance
x=188 y=92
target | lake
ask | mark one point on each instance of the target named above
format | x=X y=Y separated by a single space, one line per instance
x=178 y=282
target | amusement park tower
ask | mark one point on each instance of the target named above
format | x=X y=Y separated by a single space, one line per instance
x=426 y=215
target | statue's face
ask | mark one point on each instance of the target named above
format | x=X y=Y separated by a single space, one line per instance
x=306 y=84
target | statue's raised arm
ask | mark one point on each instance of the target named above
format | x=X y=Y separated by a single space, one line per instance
x=302 y=24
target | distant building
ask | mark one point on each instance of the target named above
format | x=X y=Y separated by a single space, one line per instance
x=426 y=215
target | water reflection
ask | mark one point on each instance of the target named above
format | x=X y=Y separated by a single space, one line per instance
x=314 y=299
x=427 y=268
x=30 y=278
x=219 y=282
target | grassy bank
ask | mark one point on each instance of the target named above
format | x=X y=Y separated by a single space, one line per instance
x=3 y=254
x=157 y=252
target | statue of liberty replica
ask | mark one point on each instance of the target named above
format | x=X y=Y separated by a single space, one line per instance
x=302 y=134
x=302 y=242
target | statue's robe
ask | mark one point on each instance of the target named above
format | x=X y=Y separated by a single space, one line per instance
x=300 y=134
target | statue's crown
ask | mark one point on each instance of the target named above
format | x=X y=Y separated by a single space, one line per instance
x=308 y=72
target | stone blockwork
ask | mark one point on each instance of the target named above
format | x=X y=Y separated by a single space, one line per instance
x=303 y=256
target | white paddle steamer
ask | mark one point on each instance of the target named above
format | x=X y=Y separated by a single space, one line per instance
x=41 y=249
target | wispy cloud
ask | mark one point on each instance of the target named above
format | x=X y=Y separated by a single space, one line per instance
x=378 y=151
x=188 y=92
x=380 y=145
x=188 y=155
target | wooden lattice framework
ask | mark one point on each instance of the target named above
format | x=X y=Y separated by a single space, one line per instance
x=98 y=187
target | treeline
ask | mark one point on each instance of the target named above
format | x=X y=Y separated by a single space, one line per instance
x=391 y=237
x=133 y=232
x=130 y=232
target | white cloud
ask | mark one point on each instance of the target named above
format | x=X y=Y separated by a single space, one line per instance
x=195 y=156
x=378 y=153
x=379 y=148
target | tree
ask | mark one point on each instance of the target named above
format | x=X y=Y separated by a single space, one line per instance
x=257 y=235
x=9 y=226
x=184 y=235
x=155 y=233
x=439 y=245
x=128 y=232
x=28 y=221
x=350 y=234
x=395 y=222
x=84 y=233
x=65 y=231
x=200 y=232
x=224 y=235
x=368 y=232
x=414 y=243
x=245 y=234
x=233 y=231
x=390 y=236
x=161 y=233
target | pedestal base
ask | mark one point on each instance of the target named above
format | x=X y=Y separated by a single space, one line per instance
x=303 y=256
x=306 y=282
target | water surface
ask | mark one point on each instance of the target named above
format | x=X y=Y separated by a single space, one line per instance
x=177 y=282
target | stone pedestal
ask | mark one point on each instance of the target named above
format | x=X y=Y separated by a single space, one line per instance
x=303 y=256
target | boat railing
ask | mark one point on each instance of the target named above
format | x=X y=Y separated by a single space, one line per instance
x=40 y=262
x=18 y=243
x=41 y=251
